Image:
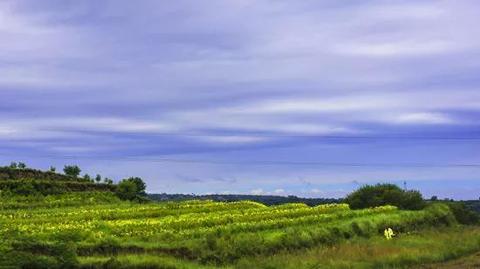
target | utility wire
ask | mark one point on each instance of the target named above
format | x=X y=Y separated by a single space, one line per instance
x=277 y=135
x=309 y=163
x=320 y=136
x=268 y=162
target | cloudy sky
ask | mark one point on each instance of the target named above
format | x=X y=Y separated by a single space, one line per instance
x=311 y=98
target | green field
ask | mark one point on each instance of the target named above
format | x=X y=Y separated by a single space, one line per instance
x=97 y=230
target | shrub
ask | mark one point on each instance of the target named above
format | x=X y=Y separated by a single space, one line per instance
x=463 y=214
x=385 y=194
x=72 y=170
x=26 y=188
x=31 y=253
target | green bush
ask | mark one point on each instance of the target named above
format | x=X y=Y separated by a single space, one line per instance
x=30 y=253
x=463 y=214
x=385 y=194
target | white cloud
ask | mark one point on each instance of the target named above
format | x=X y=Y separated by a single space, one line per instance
x=422 y=118
x=7 y=131
x=74 y=149
x=279 y=191
x=231 y=139
x=399 y=48
x=257 y=191
x=407 y=11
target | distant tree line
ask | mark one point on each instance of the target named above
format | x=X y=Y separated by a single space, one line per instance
x=264 y=199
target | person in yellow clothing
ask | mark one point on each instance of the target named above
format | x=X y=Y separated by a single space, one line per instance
x=388 y=233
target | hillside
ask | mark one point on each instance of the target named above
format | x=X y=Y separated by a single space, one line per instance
x=96 y=229
x=27 y=181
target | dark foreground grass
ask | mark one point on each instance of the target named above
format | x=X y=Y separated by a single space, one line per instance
x=467 y=262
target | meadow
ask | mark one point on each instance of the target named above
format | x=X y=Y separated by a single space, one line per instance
x=98 y=230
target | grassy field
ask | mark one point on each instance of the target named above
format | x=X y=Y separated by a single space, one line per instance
x=470 y=262
x=95 y=230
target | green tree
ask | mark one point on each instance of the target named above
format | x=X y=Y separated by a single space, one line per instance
x=22 y=165
x=52 y=169
x=87 y=177
x=98 y=178
x=13 y=165
x=385 y=194
x=127 y=190
x=141 y=186
x=131 y=188
x=72 y=170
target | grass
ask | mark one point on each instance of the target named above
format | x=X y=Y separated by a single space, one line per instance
x=422 y=250
x=405 y=251
x=470 y=261
x=94 y=230
x=140 y=261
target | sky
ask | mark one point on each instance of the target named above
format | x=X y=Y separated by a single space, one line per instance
x=307 y=98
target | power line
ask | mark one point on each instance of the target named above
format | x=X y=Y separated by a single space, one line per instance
x=310 y=163
x=270 y=162
x=337 y=136
x=252 y=134
x=320 y=136
x=277 y=135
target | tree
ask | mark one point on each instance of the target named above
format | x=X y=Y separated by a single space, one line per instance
x=22 y=165
x=141 y=186
x=434 y=198
x=87 y=177
x=385 y=194
x=98 y=178
x=108 y=181
x=131 y=188
x=13 y=165
x=127 y=190
x=52 y=169
x=72 y=170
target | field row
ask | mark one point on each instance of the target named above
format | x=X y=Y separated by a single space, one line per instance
x=198 y=231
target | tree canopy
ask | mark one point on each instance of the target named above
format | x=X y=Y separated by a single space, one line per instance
x=385 y=194
x=131 y=188
x=72 y=170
